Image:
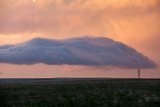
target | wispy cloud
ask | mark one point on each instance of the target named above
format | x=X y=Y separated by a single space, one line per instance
x=53 y=16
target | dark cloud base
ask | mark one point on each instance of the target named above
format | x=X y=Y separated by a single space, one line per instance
x=95 y=51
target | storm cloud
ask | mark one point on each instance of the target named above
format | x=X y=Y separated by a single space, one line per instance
x=86 y=50
x=133 y=22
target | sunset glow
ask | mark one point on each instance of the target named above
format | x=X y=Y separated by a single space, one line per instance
x=133 y=22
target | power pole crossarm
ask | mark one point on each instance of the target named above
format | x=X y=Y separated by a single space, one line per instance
x=139 y=73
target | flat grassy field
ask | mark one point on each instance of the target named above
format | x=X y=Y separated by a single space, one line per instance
x=79 y=93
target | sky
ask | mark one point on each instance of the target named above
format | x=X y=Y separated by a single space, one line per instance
x=133 y=22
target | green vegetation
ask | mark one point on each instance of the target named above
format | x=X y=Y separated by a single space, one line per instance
x=81 y=93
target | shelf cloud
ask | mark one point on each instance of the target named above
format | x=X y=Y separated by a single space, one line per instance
x=86 y=50
x=133 y=22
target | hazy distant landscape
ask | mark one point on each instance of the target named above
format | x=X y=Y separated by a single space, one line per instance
x=80 y=92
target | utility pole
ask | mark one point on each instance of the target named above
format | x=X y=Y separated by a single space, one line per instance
x=139 y=73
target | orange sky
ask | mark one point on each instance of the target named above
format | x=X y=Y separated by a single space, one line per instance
x=48 y=71
x=134 y=22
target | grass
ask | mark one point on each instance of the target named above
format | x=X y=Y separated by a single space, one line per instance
x=81 y=93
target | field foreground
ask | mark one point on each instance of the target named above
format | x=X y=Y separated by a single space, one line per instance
x=82 y=92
